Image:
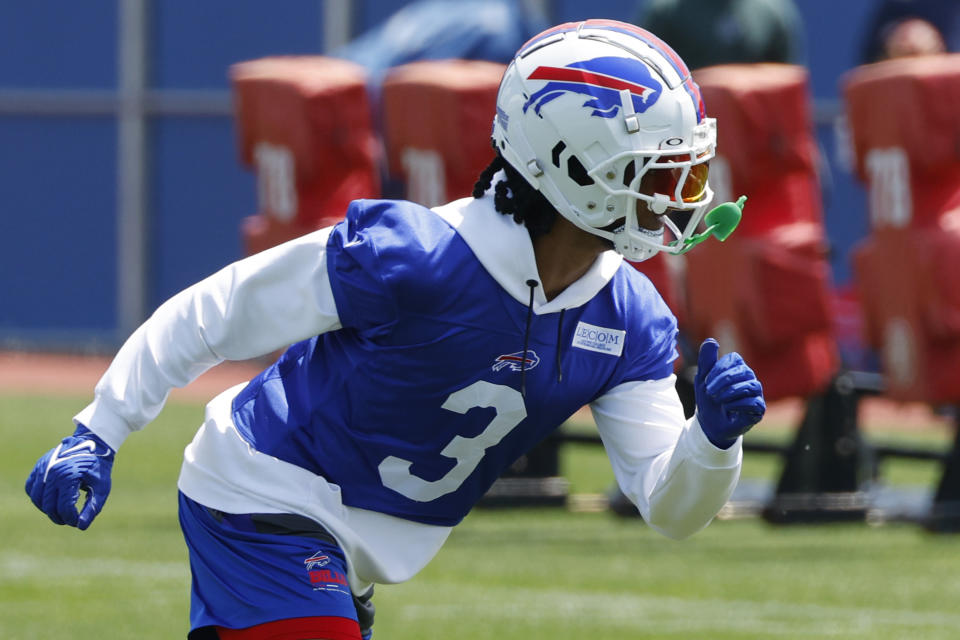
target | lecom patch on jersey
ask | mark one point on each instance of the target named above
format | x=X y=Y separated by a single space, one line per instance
x=599 y=339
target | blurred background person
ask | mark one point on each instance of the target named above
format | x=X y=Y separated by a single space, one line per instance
x=441 y=29
x=901 y=28
x=727 y=31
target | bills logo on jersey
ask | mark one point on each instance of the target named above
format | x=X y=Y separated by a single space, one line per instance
x=319 y=559
x=516 y=361
x=602 y=80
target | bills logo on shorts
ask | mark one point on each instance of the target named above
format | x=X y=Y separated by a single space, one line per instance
x=601 y=80
x=324 y=579
x=516 y=361
x=317 y=560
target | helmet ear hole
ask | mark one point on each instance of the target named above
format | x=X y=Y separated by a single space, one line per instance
x=577 y=172
x=555 y=153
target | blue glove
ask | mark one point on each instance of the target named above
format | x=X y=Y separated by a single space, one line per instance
x=81 y=461
x=729 y=396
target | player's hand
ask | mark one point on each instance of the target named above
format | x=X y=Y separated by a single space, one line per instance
x=729 y=396
x=80 y=462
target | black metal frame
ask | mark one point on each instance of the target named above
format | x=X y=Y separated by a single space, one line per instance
x=825 y=471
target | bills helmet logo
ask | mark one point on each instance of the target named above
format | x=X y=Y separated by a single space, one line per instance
x=516 y=361
x=602 y=80
x=317 y=560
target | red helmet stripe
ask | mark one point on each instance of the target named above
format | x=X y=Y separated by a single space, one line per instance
x=648 y=37
x=567 y=74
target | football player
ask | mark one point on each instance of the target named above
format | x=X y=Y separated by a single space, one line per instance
x=432 y=348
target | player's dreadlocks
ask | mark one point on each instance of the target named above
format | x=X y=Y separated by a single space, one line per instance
x=516 y=197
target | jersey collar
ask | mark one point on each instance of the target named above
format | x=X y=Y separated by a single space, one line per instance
x=504 y=249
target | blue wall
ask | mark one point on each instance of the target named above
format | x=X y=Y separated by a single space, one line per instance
x=57 y=227
x=195 y=42
x=58 y=267
x=199 y=194
x=57 y=43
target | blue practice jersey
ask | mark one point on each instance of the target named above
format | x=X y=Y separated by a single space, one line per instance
x=426 y=395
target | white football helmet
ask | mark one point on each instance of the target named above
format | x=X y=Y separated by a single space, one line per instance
x=599 y=115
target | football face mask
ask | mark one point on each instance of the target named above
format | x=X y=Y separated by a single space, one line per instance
x=672 y=186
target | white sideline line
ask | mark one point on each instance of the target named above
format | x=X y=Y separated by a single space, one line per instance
x=666 y=613
x=17 y=566
x=651 y=613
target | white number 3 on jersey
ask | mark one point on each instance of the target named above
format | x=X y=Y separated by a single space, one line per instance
x=510 y=411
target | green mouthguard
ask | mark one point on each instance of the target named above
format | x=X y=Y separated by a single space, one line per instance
x=720 y=221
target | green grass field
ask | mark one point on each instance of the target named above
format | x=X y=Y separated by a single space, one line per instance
x=532 y=574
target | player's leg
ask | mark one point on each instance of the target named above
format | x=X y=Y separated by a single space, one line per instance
x=262 y=577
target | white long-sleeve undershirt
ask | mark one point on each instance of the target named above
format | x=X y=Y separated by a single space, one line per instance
x=662 y=462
